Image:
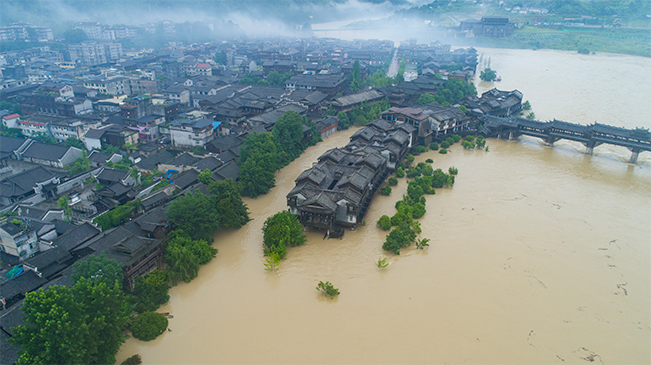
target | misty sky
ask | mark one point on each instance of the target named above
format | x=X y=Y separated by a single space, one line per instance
x=253 y=16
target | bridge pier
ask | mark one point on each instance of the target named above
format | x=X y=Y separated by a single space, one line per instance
x=550 y=141
x=635 y=153
x=590 y=146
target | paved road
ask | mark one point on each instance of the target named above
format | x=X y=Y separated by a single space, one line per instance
x=392 y=71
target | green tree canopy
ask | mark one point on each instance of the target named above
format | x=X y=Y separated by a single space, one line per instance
x=281 y=230
x=194 y=214
x=74 y=142
x=220 y=57
x=258 y=163
x=81 y=325
x=205 y=177
x=288 y=134
x=233 y=213
x=56 y=329
x=356 y=81
x=151 y=291
x=98 y=268
x=425 y=98
x=184 y=265
x=487 y=75
x=149 y=325
x=274 y=78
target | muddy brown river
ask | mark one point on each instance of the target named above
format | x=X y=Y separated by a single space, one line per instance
x=537 y=254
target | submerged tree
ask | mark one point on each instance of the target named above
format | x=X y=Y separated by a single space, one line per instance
x=327 y=289
x=487 y=75
x=281 y=230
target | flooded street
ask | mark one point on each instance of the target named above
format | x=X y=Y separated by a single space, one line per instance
x=537 y=254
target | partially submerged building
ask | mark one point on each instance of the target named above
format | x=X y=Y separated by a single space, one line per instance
x=337 y=191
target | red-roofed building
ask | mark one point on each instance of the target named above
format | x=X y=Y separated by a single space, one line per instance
x=29 y=128
x=201 y=68
x=10 y=121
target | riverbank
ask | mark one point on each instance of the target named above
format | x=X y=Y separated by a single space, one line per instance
x=635 y=42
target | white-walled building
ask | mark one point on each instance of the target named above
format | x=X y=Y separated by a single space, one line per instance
x=191 y=133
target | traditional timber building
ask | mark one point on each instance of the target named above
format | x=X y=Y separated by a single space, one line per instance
x=429 y=120
x=337 y=191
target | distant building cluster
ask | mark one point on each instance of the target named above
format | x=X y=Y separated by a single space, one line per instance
x=97 y=31
x=24 y=31
x=488 y=26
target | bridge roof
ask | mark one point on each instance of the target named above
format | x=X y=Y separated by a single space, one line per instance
x=572 y=127
x=532 y=123
x=638 y=133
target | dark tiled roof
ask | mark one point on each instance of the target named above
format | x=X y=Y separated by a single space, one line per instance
x=151 y=163
x=226 y=142
x=95 y=133
x=50 y=262
x=62 y=227
x=315 y=97
x=208 y=163
x=116 y=242
x=45 y=151
x=11 y=228
x=112 y=175
x=353 y=99
x=10 y=144
x=184 y=159
x=24 y=283
x=154 y=198
x=229 y=170
x=227 y=156
x=75 y=237
x=25 y=181
x=98 y=157
x=186 y=178
x=10 y=318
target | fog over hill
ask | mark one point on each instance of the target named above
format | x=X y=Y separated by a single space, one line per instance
x=267 y=16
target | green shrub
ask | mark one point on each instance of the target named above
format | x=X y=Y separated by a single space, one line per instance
x=445 y=144
x=384 y=222
x=453 y=170
x=327 y=289
x=400 y=172
x=456 y=137
x=433 y=146
x=148 y=326
x=386 y=190
x=382 y=263
x=443 y=151
x=419 y=210
x=450 y=141
x=392 y=181
x=429 y=160
x=470 y=138
x=411 y=173
x=409 y=158
x=133 y=360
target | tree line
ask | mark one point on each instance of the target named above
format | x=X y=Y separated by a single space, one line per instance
x=412 y=206
x=362 y=114
x=451 y=92
x=264 y=153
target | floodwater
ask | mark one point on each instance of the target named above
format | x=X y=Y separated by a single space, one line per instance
x=537 y=254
